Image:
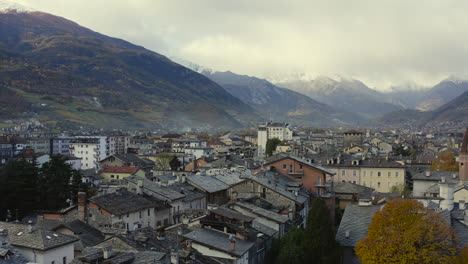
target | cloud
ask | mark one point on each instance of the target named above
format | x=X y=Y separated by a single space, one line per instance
x=383 y=43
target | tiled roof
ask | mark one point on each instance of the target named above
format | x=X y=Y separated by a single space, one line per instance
x=88 y=235
x=153 y=189
x=124 y=202
x=356 y=220
x=207 y=183
x=38 y=239
x=219 y=241
x=228 y=213
x=191 y=193
x=263 y=228
x=120 y=169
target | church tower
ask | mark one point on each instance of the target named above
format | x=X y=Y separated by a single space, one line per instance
x=463 y=159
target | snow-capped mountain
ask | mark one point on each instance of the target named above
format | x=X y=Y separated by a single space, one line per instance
x=10 y=6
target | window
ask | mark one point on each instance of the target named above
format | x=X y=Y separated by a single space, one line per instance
x=112 y=176
x=343 y=173
x=149 y=212
x=128 y=215
x=140 y=214
x=379 y=173
x=389 y=184
x=354 y=173
x=354 y=181
x=53 y=262
x=300 y=166
x=378 y=184
x=64 y=260
x=117 y=177
x=364 y=173
x=389 y=174
x=364 y=183
x=290 y=168
x=396 y=174
x=371 y=184
x=372 y=174
x=284 y=166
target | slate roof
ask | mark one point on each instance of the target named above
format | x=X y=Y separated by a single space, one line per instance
x=267 y=179
x=207 y=183
x=356 y=219
x=124 y=202
x=263 y=212
x=133 y=158
x=263 y=228
x=436 y=176
x=120 y=169
x=88 y=235
x=219 y=241
x=95 y=255
x=462 y=232
x=38 y=239
x=350 y=188
x=228 y=213
x=10 y=255
x=191 y=193
x=153 y=189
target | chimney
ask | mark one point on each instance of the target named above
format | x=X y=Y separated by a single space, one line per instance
x=454 y=176
x=347 y=234
x=232 y=242
x=184 y=178
x=462 y=205
x=139 y=187
x=428 y=173
x=3 y=236
x=82 y=207
x=30 y=227
x=107 y=252
x=442 y=179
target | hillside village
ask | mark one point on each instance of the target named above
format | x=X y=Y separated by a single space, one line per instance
x=225 y=198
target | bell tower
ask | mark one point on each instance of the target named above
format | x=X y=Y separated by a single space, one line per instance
x=463 y=159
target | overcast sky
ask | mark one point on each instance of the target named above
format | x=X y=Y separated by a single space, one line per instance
x=383 y=43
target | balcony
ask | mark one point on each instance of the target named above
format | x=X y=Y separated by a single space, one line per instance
x=299 y=172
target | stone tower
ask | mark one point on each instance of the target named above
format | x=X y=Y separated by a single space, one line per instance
x=463 y=159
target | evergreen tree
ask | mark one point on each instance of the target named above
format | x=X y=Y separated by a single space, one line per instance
x=292 y=248
x=320 y=245
x=18 y=188
x=175 y=163
x=271 y=145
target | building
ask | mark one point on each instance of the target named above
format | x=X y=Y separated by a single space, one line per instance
x=463 y=158
x=60 y=145
x=91 y=150
x=39 y=245
x=39 y=145
x=125 y=211
x=180 y=144
x=312 y=176
x=118 y=144
x=110 y=173
x=351 y=138
x=222 y=246
x=382 y=175
x=271 y=130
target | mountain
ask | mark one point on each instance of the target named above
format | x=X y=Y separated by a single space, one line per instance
x=279 y=103
x=455 y=111
x=346 y=95
x=442 y=93
x=65 y=74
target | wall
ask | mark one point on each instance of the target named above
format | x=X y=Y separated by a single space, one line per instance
x=384 y=179
x=346 y=174
x=46 y=257
x=421 y=186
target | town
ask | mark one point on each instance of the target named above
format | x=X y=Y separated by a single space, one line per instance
x=231 y=197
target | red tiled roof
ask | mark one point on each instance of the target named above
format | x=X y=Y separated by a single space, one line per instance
x=120 y=169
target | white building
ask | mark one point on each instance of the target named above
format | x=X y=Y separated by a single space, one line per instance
x=271 y=130
x=40 y=246
x=118 y=144
x=91 y=150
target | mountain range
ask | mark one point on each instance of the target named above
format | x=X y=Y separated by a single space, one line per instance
x=68 y=75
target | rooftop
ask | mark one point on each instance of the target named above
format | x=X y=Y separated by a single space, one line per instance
x=124 y=202
x=153 y=189
x=38 y=238
x=263 y=212
x=219 y=241
x=207 y=183
x=120 y=169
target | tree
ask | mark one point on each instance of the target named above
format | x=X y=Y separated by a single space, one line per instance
x=445 y=162
x=175 y=163
x=292 y=248
x=401 y=189
x=320 y=244
x=18 y=188
x=403 y=151
x=163 y=161
x=58 y=182
x=271 y=145
x=404 y=231
x=315 y=244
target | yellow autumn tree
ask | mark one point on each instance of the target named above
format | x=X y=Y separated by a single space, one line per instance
x=445 y=162
x=406 y=232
